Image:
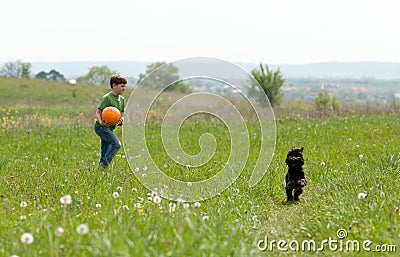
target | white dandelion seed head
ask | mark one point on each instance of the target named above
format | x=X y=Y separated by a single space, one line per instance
x=27 y=238
x=186 y=206
x=196 y=205
x=145 y=168
x=119 y=189
x=180 y=201
x=66 y=199
x=153 y=194
x=157 y=199
x=205 y=218
x=172 y=207
x=23 y=204
x=362 y=196
x=59 y=231
x=138 y=205
x=189 y=184
x=22 y=217
x=115 y=194
x=361 y=156
x=125 y=207
x=323 y=164
x=98 y=205
x=136 y=169
x=82 y=229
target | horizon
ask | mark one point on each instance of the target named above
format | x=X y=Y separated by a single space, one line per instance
x=338 y=70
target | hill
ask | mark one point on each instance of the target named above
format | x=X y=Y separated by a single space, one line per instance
x=377 y=70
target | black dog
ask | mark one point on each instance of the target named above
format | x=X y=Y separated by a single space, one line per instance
x=295 y=179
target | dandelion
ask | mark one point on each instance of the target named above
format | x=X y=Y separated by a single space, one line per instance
x=196 y=205
x=27 y=238
x=136 y=169
x=82 y=229
x=180 y=201
x=119 y=189
x=59 y=231
x=125 y=207
x=357 y=146
x=361 y=156
x=144 y=168
x=362 y=196
x=66 y=199
x=115 y=194
x=172 y=207
x=153 y=194
x=22 y=217
x=138 y=205
x=157 y=199
x=98 y=205
x=23 y=204
x=189 y=184
x=186 y=206
x=205 y=218
x=323 y=164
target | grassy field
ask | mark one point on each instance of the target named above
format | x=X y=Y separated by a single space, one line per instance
x=50 y=151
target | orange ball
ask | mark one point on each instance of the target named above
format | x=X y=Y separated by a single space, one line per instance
x=111 y=115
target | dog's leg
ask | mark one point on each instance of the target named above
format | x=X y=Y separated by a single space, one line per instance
x=289 y=194
x=297 y=193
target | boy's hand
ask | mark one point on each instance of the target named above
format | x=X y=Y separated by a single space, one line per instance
x=120 y=122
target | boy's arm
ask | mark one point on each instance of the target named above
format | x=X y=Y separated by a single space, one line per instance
x=99 y=119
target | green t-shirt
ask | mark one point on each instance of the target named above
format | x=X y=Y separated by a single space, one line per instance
x=109 y=99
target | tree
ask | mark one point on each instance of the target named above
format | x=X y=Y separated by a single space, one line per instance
x=163 y=76
x=325 y=103
x=98 y=75
x=52 y=75
x=270 y=81
x=16 y=69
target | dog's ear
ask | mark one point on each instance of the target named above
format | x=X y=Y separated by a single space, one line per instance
x=301 y=149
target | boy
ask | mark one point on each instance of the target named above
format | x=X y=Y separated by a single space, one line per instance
x=109 y=142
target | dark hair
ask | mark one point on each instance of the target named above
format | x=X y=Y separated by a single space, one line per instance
x=117 y=79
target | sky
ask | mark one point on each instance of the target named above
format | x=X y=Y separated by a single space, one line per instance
x=273 y=32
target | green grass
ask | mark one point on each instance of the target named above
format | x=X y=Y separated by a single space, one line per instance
x=42 y=162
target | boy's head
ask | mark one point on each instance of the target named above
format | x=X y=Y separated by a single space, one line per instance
x=117 y=79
